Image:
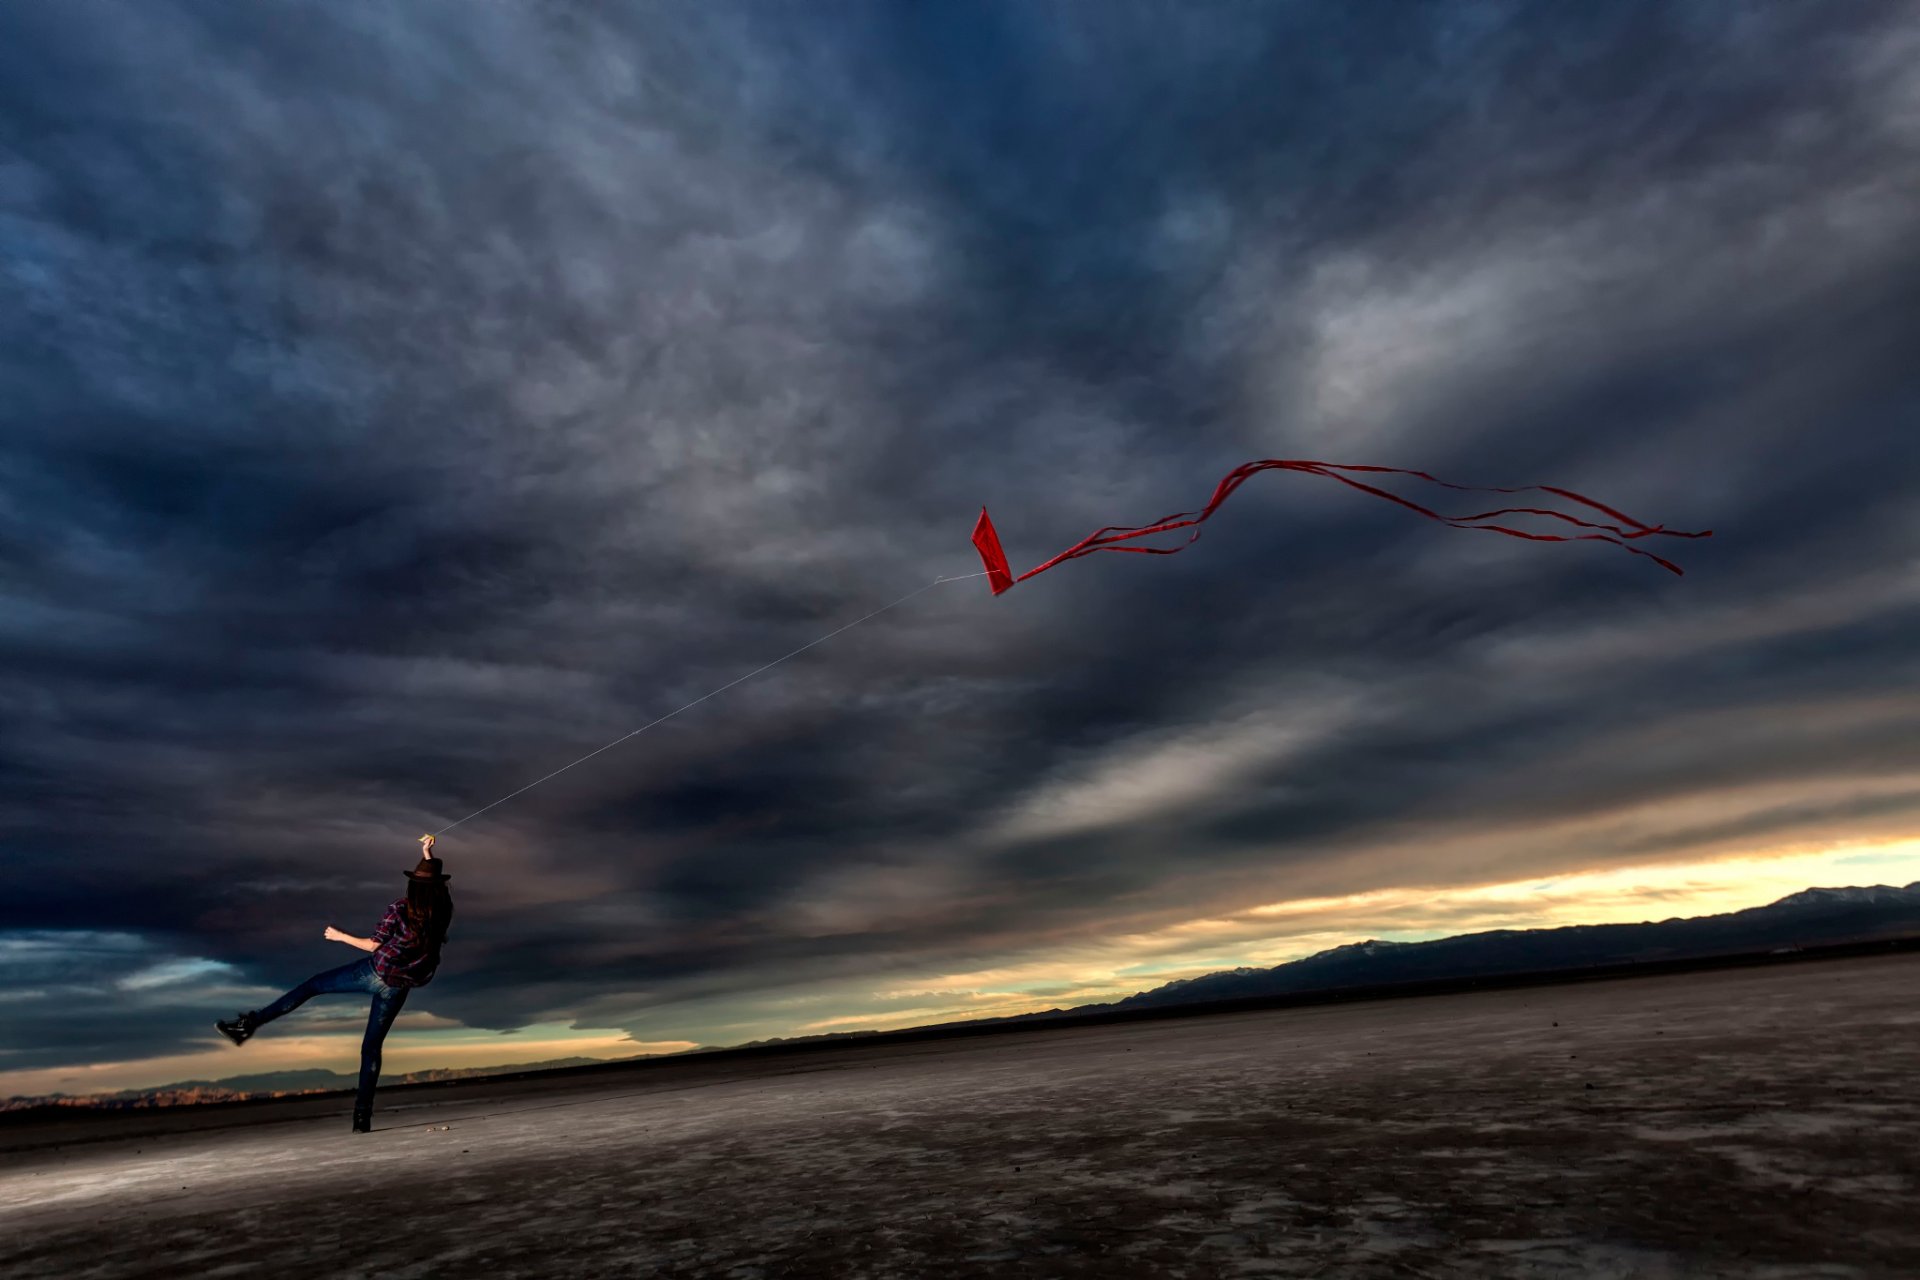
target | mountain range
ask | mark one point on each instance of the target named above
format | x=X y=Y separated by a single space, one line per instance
x=1810 y=918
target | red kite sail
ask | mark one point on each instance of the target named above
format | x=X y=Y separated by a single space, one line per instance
x=1000 y=577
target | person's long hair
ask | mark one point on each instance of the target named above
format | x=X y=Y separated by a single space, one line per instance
x=429 y=910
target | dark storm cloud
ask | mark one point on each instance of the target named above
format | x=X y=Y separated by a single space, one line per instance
x=399 y=402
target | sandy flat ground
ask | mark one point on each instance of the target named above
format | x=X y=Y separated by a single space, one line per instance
x=1757 y=1123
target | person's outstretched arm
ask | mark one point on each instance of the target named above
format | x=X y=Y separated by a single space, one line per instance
x=386 y=926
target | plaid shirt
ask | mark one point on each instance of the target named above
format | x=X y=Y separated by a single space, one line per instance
x=403 y=958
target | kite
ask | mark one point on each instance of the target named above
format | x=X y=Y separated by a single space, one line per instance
x=986 y=539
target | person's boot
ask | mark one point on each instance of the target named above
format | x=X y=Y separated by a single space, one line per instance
x=238 y=1028
x=363 y=1119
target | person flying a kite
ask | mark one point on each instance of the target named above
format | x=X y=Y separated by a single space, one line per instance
x=405 y=948
x=404 y=951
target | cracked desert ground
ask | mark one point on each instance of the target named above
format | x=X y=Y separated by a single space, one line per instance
x=1760 y=1122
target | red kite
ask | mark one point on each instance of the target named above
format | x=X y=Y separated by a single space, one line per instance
x=1000 y=577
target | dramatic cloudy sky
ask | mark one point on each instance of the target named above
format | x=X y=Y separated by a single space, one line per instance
x=397 y=401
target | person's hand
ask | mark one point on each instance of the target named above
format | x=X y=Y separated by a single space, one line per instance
x=333 y=935
x=426 y=846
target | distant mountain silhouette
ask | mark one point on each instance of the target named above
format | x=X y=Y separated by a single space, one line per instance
x=1812 y=917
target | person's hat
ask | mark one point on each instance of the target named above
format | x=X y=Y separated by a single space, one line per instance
x=428 y=869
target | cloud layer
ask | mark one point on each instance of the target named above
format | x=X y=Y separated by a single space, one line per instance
x=400 y=402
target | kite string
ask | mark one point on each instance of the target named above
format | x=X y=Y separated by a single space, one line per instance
x=703 y=697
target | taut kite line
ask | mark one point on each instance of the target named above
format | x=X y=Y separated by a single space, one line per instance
x=987 y=541
x=1000 y=577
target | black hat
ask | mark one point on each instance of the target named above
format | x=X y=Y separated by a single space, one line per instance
x=428 y=869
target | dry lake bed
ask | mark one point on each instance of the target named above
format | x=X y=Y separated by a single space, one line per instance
x=1761 y=1122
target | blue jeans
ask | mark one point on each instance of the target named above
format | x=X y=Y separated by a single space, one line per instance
x=357 y=978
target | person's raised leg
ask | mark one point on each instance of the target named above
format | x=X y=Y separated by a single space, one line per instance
x=331 y=982
x=386 y=1006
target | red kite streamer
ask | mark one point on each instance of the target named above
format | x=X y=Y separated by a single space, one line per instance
x=1000 y=577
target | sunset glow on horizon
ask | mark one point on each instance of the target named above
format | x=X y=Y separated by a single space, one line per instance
x=1096 y=972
